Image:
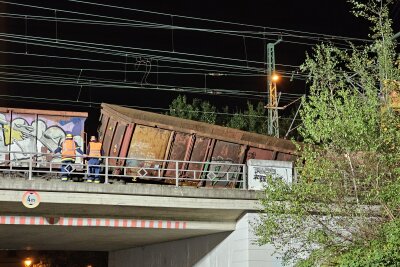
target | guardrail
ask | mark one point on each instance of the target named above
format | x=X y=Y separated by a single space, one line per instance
x=113 y=169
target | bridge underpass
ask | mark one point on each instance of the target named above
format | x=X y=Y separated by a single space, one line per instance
x=104 y=217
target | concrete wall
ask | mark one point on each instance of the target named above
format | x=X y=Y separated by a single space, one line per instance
x=230 y=249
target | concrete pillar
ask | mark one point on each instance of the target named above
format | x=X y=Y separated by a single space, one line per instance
x=229 y=249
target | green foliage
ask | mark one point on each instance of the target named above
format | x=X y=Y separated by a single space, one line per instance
x=238 y=121
x=336 y=109
x=253 y=119
x=383 y=251
x=198 y=110
x=180 y=108
x=344 y=208
x=208 y=113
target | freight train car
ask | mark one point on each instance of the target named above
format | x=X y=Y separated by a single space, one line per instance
x=130 y=133
x=27 y=131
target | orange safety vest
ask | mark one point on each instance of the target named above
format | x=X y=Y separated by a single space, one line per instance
x=68 y=149
x=94 y=149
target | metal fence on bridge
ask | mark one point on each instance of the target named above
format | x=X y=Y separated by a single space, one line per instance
x=33 y=165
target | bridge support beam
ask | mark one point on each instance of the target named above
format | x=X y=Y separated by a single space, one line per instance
x=234 y=248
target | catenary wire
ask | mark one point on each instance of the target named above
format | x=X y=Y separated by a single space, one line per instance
x=218 y=21
x=47 y=42
x=97 y=105
x=66 y=76
x=187 y=17
x=141 y=24
x=57 y=82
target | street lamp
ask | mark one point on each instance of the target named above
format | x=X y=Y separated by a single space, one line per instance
x=273 y=119
x=28 y=262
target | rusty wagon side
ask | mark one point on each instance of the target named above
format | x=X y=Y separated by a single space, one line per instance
x=132 y=133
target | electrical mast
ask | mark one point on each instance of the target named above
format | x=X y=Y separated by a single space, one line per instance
x=273 y=119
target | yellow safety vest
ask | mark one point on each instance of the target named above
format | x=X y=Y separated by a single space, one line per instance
x=68 y=149
x=94 y=149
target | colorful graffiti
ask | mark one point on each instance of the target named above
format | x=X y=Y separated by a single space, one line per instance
x=36 y=133
x=221 y=172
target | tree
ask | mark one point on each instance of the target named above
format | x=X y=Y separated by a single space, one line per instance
x=208 y=113
x=253 y=119
x=180 y=108
x=198 y=110
x=238 y=121
x=344 y=207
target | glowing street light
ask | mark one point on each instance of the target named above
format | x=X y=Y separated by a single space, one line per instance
x=275 y=77
x=28 y=262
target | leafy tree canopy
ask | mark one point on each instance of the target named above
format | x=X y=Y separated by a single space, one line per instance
x=344 y=207
x=252 y=119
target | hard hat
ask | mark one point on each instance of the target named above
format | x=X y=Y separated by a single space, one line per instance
x=69 y=136
x=93 y=138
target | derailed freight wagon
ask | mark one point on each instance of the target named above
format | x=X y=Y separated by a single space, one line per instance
x=27 y=131
x=134 y=134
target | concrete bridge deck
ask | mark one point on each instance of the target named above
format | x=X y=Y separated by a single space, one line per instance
x=81 y=216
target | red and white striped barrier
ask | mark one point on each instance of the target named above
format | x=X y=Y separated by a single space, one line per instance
x=92 y=222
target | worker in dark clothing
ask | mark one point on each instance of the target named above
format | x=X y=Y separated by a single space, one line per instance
x=95 y=151
x=68 y=150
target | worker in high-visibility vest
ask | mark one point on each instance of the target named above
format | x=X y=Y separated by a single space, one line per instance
x=94 y=151
x=68 y=149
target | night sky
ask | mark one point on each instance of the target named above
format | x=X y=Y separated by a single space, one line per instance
x=128 y=61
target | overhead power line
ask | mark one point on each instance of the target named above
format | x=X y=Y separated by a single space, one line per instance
x=49 y=43
x=189 y=63
x=231 y=74
x=261 y=32
x=221 y=21
x=148 y=25
x=129 y=51
x=93 y=104
x=57 y=79
x=112 y=50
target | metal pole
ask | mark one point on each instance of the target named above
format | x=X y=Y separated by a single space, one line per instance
x=87 y=169
x=273 y=123
x=176 y=174
x=291 y=124
x=106 y=171
x=397 y=35
x=30 y=167
x=270 y=70
x=10 y=162
x=245 y=184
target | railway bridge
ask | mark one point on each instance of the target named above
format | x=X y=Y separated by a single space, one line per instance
x=138 y=224
x=174 y=192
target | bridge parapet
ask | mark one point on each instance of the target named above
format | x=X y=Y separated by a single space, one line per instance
x=220 y=174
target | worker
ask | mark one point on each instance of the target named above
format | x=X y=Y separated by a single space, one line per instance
x=94 y=151
x=68 y=149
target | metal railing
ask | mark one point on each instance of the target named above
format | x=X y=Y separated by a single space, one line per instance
x=31 y=165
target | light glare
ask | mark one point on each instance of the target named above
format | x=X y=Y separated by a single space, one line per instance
x=28 y=262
